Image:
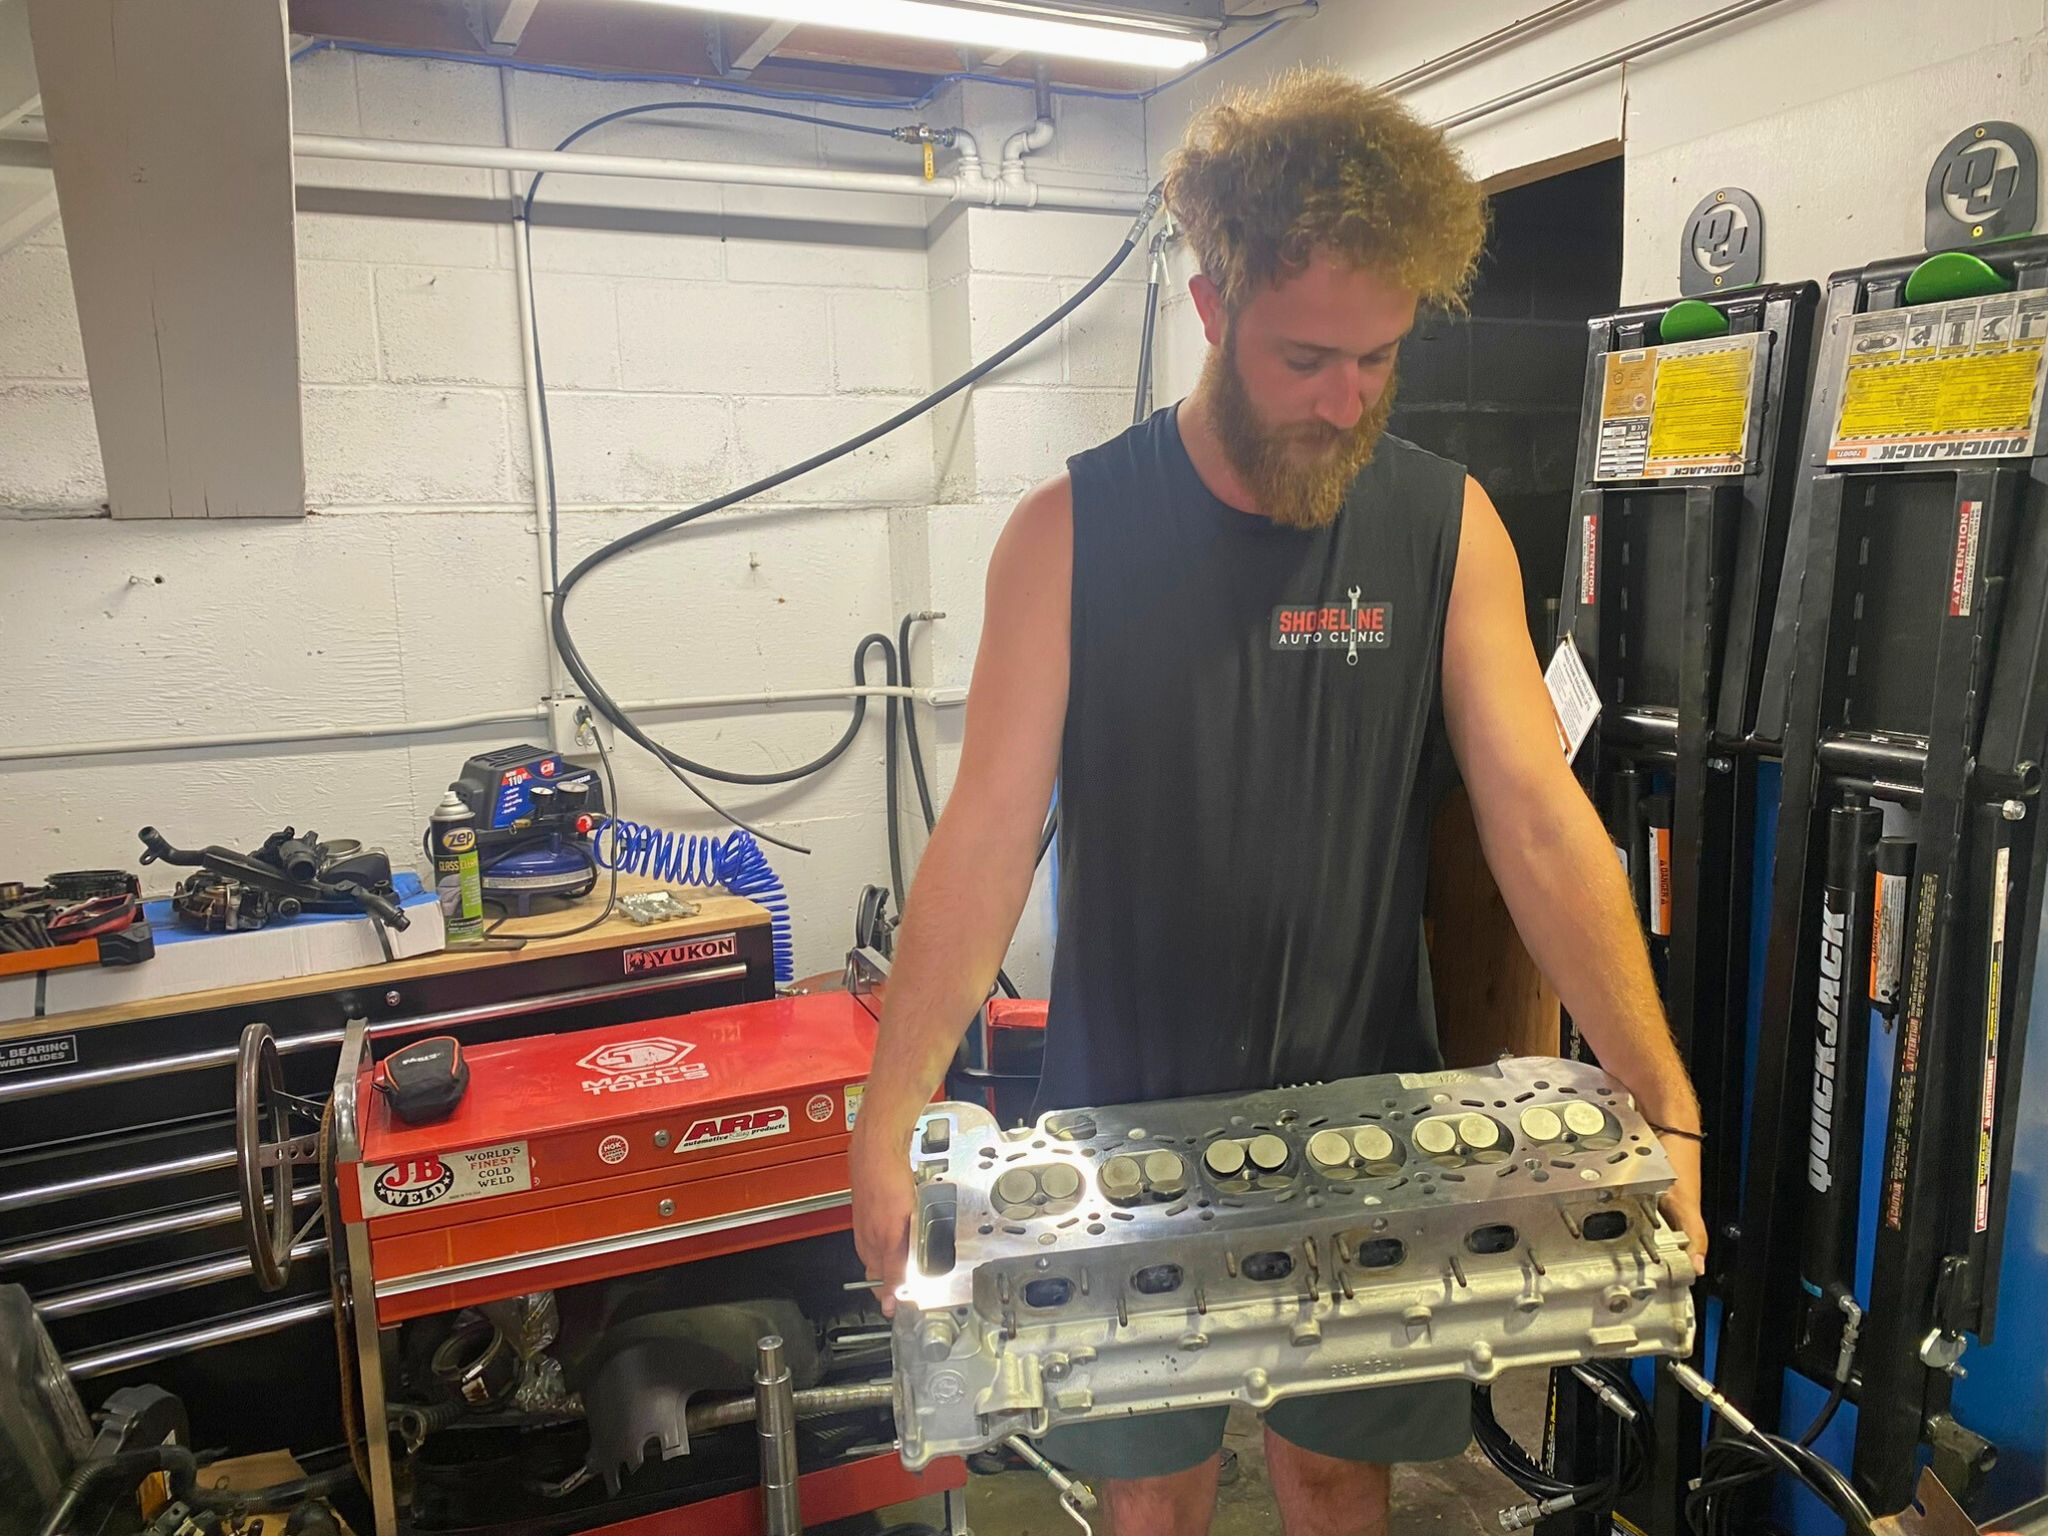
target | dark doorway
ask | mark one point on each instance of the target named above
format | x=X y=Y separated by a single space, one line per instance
x=1497 y=389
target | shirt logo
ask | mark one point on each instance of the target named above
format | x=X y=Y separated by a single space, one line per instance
x=1351 y=626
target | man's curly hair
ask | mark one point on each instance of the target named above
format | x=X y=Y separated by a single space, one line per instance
x=1265 y=177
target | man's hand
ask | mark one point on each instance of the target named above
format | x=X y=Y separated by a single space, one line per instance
x=1681 y=1203
x=884 y=1195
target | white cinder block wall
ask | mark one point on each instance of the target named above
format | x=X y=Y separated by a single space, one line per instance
x=695 y=337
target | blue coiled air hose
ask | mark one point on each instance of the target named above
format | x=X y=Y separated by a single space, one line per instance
x=734 y=862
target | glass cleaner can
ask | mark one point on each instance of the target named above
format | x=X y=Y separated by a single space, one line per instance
x=458 y=881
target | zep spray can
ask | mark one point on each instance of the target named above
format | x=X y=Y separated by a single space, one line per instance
x=451 y=837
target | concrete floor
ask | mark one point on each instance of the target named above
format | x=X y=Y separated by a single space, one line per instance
x=1458 y=1497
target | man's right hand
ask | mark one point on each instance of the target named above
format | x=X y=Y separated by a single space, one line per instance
x=884 y=1195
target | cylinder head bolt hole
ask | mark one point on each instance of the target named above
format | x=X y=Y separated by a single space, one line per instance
x=1051 y=1291
x=1156 y=1279
x=1496 y=1237
x=1273 y=1264
x=1604 y=1226
x=1381 y=1253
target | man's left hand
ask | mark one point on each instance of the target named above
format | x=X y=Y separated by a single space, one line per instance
x=1681 y=1203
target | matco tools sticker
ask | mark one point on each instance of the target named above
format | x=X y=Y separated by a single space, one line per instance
x=650 y=958
x=745 y=1125
x=413 y=1183
x=651 y=1062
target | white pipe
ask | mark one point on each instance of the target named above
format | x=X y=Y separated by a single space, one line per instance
x=936 y=697
x=961 y=188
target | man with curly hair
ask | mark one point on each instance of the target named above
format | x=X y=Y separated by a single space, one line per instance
x=1253 y=638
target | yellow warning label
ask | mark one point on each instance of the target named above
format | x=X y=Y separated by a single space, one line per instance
x=1678 y=410
x=1702 y=405
x=1943 y=381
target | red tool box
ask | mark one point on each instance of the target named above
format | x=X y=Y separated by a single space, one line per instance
x=601 y=1153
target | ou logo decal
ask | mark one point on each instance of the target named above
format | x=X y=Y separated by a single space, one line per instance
x=1980 y=180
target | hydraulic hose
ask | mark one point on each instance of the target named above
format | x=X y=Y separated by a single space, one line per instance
x=579 y=668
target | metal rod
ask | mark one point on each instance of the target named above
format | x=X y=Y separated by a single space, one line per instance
x=1500 y=37
x=224 y=1056
x=812 y=1403
x=115 y=1178
x=118 y=1293
x=1622 y=55
x=775 y=1427
x=113 y=1234
x=163 y=1346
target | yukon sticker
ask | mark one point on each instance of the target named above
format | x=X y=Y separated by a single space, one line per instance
x=744 y=1125
x=413 y=1183
x=653 y=1061
x=649 y=959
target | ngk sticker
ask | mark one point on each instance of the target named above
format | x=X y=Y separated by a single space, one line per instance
x=651 y=1062
x=746 y=1125
x=820 y=1107
x=412 y=1183
x=612 y=1149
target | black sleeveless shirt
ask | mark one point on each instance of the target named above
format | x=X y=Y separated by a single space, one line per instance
x=1254 y=752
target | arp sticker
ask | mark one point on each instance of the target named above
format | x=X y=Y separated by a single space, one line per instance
x=820 y=1107
x=742 y=1125
x=649 y=959
x=612 y=1150
x=414 y=1183
x=651 y=1061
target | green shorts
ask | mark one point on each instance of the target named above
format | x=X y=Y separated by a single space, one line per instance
x=1425 y=1421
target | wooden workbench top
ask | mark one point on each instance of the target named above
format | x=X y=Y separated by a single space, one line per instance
x=716 y=913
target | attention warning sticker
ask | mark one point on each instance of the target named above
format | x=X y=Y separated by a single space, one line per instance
x=1678 y=411
x=1938 y=382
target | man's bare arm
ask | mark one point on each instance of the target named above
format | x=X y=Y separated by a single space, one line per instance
x=976 y=873
x=1545 y=844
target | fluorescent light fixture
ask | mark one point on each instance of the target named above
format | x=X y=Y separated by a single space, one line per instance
x=977 y=27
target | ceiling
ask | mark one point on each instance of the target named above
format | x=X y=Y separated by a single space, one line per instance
x=632 y=36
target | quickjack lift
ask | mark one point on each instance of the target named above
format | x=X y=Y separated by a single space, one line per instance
x=1909 y=665
x=1688 y=453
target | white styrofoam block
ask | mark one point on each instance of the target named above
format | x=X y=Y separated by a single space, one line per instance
x=1050 y=242
x=825 y=255
x=1103 y=335
x=337 y=323
x=38 y=319
x=389 y=443
x=1023 y=436
x=713 y=340
x=436 y=242
x=324 y=94
x=1000 y=309
x=49 y=448
x=773 y=432
x=638 y=448
x=448 y=325
x=880 y=342
x=428 y=100
x=626 y=252
x=579 y=331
